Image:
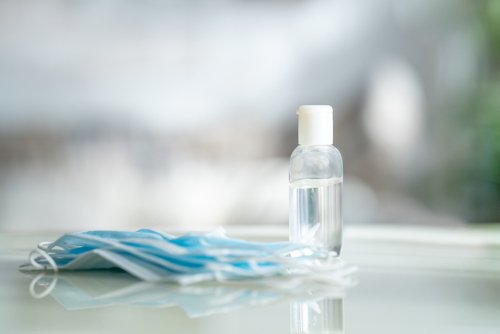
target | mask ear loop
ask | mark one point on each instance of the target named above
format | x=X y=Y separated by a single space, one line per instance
x=45 y=245
x=36 y=253
x=46 y=291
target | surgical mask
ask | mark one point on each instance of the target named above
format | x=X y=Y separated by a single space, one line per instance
x=154 y=256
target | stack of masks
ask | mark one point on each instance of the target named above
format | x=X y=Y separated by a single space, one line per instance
x=154 y=256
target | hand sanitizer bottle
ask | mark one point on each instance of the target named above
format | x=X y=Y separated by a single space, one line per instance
x=316 y=182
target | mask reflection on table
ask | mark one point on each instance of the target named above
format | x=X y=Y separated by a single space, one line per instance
x=85 y=290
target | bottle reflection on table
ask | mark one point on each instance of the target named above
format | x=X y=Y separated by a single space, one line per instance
x=317 y=316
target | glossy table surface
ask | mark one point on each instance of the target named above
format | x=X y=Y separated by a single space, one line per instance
x=410 y=280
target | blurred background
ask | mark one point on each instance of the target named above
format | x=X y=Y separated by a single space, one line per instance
x=125 y=114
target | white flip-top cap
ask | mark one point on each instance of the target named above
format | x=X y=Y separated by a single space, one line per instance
x=315 y=125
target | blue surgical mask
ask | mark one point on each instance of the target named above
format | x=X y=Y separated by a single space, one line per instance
x=154 y=256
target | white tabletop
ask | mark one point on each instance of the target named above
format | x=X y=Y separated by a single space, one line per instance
x=411 y=280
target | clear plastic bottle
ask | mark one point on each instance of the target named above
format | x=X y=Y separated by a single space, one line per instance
x=316 y=182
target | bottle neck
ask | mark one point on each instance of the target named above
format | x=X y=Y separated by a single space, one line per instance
x=315 y=145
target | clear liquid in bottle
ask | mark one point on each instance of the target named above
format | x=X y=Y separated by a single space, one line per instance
x=315 y=213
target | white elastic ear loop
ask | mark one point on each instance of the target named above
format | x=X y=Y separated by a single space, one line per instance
x=36 y=253
x=46 y=291
x=45 y=245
